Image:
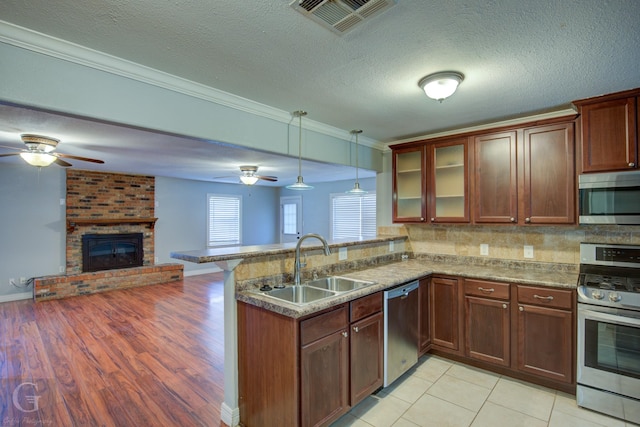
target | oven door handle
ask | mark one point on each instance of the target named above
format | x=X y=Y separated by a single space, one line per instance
x=612 y=318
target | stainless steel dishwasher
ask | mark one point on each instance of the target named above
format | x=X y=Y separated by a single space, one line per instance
x=400 y=330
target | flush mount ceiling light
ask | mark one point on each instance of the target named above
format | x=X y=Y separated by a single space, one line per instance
x=356 y=190
x=441 y=85
x=299 y=184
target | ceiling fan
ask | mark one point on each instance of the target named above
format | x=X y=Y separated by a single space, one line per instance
x=249 y=176
x=40 y=152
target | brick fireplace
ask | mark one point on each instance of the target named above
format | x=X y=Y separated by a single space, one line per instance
x=107 y=203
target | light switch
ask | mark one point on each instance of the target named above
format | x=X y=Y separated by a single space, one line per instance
x=484 y=249
x=391 y=246
x=528 y=251
x=342 y=254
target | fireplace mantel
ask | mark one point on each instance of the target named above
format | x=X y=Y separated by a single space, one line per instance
x=73 y=223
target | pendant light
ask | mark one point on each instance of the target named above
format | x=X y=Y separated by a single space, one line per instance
x=356 y=190
x=299 y=184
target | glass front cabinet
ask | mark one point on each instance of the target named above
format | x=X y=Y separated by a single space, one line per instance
x=409 y=184
x=448 y=185
x=430 y=182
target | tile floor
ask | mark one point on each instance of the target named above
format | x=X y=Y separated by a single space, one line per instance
x=442 y=393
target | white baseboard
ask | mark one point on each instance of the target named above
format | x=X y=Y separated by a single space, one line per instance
x=229 y=416
x=16 y=297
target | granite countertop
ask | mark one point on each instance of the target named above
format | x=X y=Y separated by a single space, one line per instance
x=397 y=273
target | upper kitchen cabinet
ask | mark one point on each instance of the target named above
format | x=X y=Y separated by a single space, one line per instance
x=496 y=187
x=448 y=181
x=409 y=192
x=548 y=196
x=609 y=132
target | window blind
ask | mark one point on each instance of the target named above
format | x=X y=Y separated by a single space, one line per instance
x=352 y=216
x=223 y=220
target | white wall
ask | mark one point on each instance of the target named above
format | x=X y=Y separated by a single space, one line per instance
x=182 y=210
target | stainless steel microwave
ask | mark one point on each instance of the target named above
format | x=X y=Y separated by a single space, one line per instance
x=609 y=198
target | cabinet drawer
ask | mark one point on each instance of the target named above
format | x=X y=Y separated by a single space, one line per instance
x=324 y=324
x=365 y=306
x=548 y=297
x=484 y=288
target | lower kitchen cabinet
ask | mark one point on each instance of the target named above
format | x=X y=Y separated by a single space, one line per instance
x=308 y=372
x=546 y=332
x=487 y=321
x=445 y=314
x=424 y=326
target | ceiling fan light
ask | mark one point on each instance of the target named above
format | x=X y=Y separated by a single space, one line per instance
x=440 y=86
x=248 y=180
x=38 y=159
x=300 y=185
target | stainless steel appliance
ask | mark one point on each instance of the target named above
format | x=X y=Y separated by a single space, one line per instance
x=608 y=366
x=400 y=331
x=610 y=198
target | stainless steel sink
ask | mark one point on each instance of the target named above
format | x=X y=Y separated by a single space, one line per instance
x=338 y=284
x=300 y=294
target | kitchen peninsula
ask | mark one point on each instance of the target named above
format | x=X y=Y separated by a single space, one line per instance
x=381 y=261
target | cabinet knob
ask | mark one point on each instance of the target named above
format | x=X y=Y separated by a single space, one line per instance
x=527 y=220
x=355 y=329
x=432 y=219
x=521 y=308
x=504 y=305
x=421 y=219
x=631 y=165
x=512 y=219
x=345 y=334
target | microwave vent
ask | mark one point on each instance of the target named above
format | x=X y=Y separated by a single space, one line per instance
x=340 y=16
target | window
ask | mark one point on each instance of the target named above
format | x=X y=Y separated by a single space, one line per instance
x=353 y=216
x=223 y=220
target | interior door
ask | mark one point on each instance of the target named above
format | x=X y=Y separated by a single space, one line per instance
x=290 y=218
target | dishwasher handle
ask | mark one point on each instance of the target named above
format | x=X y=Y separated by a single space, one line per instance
x=402 y=291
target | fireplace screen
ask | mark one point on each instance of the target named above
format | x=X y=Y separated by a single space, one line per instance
x=110 y=251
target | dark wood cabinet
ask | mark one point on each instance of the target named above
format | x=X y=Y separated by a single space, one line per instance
x=546 y=332
x=488 y=321
x=424 y=327
x=448 y=181
x=367 y=345
x=609 y=132
x=409 y=184
x=495 y=178
x=445 y=314
x=548 y=175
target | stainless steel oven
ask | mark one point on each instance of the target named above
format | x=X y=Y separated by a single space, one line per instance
x=608 y=365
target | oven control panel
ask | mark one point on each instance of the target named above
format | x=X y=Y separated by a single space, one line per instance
x=606 y=254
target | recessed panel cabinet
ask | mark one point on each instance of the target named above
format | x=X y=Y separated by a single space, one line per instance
x=445 y=314
x=610 y=132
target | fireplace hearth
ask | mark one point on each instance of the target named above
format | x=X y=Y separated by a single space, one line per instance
x=111 y=251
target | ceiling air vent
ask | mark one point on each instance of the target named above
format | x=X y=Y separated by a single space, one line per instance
x=341 y=16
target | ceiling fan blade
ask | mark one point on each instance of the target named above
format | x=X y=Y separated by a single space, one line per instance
x=267 y=178
x=61 y=162
x=10 y=148
x=9 y=154
x=84 y=159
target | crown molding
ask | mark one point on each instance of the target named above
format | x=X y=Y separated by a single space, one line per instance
x=67 y=51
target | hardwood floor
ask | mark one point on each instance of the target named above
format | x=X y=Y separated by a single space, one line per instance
x=148 y=356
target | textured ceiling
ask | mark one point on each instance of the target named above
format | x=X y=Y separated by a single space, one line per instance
x=518 y=57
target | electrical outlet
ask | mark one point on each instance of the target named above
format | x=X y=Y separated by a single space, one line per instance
x=342 y=254
x=62 y=202
x=528 y=251
x=156 y=260
x=391 y=246
x=62 y=269
x=484 y=249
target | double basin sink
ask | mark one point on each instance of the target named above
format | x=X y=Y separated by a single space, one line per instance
x=316 y=289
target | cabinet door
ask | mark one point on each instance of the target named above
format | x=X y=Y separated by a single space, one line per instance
x=424 y=298
x=609 y=135
x=549 y=175
x=496 y=192
x=488 y=329
x=409 y=192
x=444 y=313
x=545 y=342
x=448 y=181
x=324 y=381
x=367 y=345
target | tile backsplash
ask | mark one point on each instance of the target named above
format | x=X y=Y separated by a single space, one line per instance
x=558 y=244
